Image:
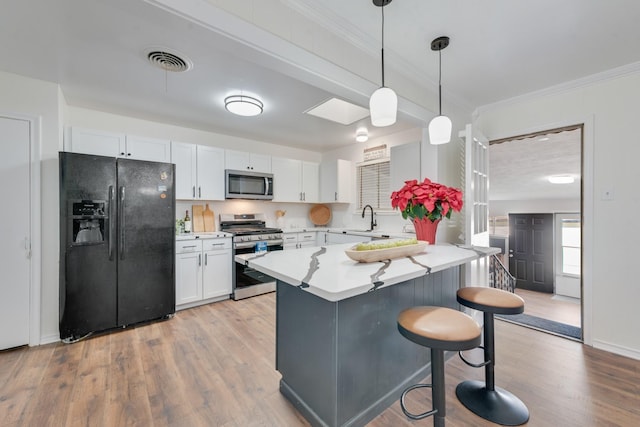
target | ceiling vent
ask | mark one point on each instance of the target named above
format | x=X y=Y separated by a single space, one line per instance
x=168 y=60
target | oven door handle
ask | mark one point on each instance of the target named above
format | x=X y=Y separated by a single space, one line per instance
x=245 y=245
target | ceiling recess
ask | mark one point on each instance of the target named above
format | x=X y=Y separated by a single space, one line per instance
x=168 y=60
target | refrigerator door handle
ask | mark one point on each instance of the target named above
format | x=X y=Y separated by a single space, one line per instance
x=111 y=220
x=121 y=222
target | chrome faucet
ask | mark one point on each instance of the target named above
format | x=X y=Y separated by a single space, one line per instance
x=373 y=222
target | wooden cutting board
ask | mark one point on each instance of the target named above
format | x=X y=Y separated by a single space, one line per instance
x=198 y=219
x=209 y=222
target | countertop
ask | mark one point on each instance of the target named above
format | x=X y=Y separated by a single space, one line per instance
x=329 y=273
x=352 y=231
x=203 y=235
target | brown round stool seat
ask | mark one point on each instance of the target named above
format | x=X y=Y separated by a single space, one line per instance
x=439 y=327
x=490 y=300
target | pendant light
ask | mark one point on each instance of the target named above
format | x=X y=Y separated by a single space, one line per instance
x=383 y=104
x=440 y=126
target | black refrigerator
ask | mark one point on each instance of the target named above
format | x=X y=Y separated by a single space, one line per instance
x=117 y=243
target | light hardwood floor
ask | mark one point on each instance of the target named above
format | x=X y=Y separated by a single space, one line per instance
x=548 y=306
x=214 y=366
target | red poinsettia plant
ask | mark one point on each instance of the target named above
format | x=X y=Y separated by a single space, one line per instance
x=426 y=199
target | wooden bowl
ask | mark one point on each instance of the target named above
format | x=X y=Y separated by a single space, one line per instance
x=375 y=255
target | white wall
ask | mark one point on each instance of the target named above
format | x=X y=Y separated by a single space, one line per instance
x=438 y=163
x=24 y=96
x=610 y=109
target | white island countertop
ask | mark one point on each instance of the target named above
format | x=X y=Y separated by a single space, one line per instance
x=329 y=273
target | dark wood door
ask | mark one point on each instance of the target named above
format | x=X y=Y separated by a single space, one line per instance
x=531 y=251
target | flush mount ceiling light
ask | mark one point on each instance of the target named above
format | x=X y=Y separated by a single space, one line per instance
x=440 y=126
x=243 y=105
x=362 y=135
x=561 y=179
x=383 y=104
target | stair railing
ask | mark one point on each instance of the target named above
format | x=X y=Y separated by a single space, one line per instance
x=499 y=276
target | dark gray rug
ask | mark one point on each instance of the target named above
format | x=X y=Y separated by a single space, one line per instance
x=543 y=325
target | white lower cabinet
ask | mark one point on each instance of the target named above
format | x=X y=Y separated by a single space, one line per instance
x=203 y=271
x=299 y=240
x=216 y=275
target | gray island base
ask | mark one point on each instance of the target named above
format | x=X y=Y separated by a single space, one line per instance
x=338 y=348
x=344 y=362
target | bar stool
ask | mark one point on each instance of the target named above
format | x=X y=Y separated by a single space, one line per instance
x=484 y=398
x=440 y=329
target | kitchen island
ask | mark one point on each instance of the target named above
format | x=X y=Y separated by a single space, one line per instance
x=338 y=349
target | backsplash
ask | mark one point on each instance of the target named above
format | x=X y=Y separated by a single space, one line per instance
x=297 y=214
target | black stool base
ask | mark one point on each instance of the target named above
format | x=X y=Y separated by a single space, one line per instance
x=498 y=406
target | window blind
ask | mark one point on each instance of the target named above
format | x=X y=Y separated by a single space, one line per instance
x=373 y=185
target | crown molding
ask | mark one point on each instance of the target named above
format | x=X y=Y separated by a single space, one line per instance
x=613 y=73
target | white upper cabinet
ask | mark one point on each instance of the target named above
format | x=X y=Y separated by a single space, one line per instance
x=294 y=180
x=243 y=161
x=100 y=143
x=151 y=149
x=336 y=181
x=310 y=182
x=210 y=173
x=112 y=144
x=184 y=157
x=286 y=180
x=199 y=171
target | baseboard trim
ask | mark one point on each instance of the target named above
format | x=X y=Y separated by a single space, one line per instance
x=617 y=349
x=48 y=339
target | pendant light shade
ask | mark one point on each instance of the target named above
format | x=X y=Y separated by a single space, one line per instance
x=383 y=104
x=440 y=130
x=383 y=107
x=440 y=126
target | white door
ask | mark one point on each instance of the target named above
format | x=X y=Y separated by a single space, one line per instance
x=476 y=201
x=15 y=232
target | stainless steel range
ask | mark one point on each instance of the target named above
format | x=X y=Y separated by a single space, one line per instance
x=248 y=231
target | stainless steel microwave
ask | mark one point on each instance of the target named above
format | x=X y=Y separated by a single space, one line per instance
x=248 y=185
